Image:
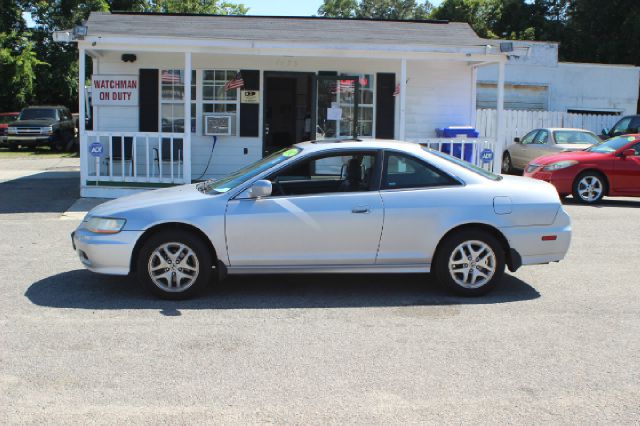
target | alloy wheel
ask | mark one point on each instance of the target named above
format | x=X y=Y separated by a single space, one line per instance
x=173 y=267
x=472 y=264
x=590 y=188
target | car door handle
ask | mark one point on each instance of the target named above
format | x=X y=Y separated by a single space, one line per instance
x=360 y=209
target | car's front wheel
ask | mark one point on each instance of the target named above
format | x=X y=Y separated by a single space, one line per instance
x=174 y=265
x=470 y=262
x=589 y=187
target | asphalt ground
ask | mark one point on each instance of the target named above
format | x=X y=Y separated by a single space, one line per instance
x=556 y=343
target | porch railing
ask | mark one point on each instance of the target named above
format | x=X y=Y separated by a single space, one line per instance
x=481 y=152
x=135 y=157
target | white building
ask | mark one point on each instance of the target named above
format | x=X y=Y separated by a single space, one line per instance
x=538 y=81
x=304 y=78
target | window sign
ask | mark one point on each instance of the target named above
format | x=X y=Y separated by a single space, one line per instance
x=250 y=96
x=115 y=90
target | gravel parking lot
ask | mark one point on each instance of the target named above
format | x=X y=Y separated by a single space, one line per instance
x=556 y=343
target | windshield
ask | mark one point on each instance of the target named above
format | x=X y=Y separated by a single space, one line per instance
x=471 y=167
x=571 y=137
x=38 y=114
x=612 y=144
x=231 y=181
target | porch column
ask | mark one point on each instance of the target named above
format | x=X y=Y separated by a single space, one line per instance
x=500 y=143
x=84 y=152
x=186 y=145
x=403 y=98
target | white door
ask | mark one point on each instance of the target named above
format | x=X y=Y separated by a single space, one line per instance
x=321 y=212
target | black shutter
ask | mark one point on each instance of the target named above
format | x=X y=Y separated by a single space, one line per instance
x=148 y=98
x=250 y=113
x=385 y=105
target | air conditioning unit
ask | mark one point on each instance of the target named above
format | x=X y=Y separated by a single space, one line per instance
x=220 y=124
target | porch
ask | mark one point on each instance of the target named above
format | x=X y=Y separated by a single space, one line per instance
x=385 y=91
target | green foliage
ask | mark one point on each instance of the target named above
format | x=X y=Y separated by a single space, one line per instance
x=375 y=9
x=216 y=7
x=18 y=64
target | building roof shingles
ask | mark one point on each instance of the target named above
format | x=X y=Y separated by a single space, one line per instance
x=298 y=29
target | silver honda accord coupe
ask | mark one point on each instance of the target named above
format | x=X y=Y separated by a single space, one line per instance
x=331 y=207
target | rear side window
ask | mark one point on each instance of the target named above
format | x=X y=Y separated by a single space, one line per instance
x=402 y=171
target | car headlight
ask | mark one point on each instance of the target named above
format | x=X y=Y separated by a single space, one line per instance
x=46 y=130
x=104 y=225
x=13 y=130
x=559 y=165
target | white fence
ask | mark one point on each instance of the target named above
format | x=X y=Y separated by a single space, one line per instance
x=518 y=123
x=135 y=157
x=471 y=150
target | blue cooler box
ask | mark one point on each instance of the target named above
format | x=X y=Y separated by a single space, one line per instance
x=455 y=131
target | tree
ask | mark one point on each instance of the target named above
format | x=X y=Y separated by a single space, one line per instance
x=215 y=7
x=18 y=61
x=375 y=9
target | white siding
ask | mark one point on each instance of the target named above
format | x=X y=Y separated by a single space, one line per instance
x=438 y=95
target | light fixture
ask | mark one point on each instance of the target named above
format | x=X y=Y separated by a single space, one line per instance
x=80 y=32
x=128 y=57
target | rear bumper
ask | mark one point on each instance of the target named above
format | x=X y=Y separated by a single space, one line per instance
x=105 y=254
x=528 y=242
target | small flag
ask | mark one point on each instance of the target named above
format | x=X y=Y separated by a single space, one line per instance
x=396 y=92
x=171 y=76
x=234 y=83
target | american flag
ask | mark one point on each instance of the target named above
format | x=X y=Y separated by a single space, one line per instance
x=234 y=83
x=396 y=91
x=171 y=76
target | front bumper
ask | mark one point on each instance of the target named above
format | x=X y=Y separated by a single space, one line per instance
x=29 y=140
x=562 y=180
x=105 y=254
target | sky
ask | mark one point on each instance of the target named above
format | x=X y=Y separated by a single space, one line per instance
x=288 y=7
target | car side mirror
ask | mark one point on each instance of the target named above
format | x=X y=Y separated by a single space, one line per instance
x=628 y=153
x=605 y=131
x=516 y=140
x=261 y=188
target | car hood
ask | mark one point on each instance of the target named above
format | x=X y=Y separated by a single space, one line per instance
x=574 y=146
x=33 y=123
x=566 y=156
x=157 y=200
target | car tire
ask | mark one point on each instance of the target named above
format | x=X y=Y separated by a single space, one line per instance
x=507 y=165
x=470 y=263
x=174 y=265
x=589 y=187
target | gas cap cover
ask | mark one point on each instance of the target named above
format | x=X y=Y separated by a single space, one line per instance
x=502 y=205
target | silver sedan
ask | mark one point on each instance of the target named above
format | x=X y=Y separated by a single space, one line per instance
x=331 y=207
x=539 y=142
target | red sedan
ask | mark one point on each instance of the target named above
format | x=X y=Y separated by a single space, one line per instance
x=611 y=168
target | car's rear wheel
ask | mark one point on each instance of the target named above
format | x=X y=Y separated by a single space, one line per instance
x=507 y=166
x=589 y=187
x=470 y=262
x=174 y=265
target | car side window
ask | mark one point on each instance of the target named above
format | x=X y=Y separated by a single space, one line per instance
x=402 y=171
x=634 y=126
x=529 y=137
x=542 y=137
x=621 y=126
x=336 y=172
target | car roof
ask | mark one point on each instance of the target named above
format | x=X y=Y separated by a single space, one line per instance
x=45 y=106
x=553 y=129
x=327 y=144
